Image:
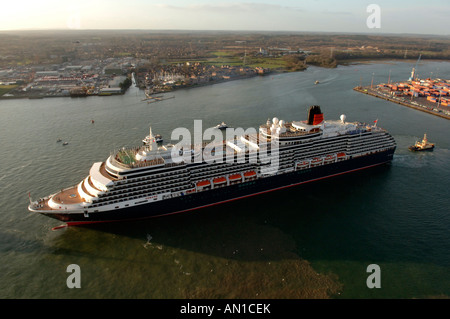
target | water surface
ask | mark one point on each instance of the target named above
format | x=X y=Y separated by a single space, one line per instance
x=313 y=241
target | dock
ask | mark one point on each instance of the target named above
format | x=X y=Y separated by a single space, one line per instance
x=400 y=100
x=152 y=99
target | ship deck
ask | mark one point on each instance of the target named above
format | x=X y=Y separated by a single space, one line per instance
x=105 y=173
x=44 y=205
x=68 y=196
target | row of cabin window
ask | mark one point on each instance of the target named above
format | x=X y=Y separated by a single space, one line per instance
x=125 y=197
x=147 y=176
x=152 y=187
x=144 y=181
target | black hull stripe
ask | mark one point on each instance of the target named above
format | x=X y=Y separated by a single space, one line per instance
x=221 y=202
x=226 y=194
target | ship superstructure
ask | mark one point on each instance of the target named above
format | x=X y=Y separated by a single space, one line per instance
x=151 y=180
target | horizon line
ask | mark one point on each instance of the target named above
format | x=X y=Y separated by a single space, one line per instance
x=226 y=31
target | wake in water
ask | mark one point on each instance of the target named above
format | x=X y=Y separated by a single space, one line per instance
x=148 y=243
x=436 y=158
x=328 y=79
x=413 y=160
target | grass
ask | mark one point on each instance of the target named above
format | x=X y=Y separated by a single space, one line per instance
x=271 y=63
x=113 y=71
x=228 y=58
x=221 y=53
x=126 y=157
x=6 y=88
x=224 y=60
x=123 y=54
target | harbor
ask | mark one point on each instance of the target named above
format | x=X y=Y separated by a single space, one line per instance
x=419 y=104
x=308 y=242
x=430 y=95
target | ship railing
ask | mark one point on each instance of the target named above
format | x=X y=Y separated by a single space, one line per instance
x=145 y=163
x=172 y=164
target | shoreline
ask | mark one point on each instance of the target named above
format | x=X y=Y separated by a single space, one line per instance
x=274 y=71
x=369 y=91
x=39 y=97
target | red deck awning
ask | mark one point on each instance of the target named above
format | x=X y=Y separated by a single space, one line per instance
x=203 y=183
x=250 y=174
x=219 y=180
x=235 y=176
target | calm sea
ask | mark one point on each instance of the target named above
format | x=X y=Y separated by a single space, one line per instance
x=313 y=241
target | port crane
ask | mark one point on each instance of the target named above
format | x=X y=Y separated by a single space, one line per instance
x=413 y=72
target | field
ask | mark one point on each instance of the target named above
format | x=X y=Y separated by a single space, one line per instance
x=6 y=88
x=215 y=48
x=239 y=59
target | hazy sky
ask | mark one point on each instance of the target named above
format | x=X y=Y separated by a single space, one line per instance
x=396 y=16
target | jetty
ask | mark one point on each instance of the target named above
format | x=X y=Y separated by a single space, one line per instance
x=152 y=99
x=414 y=104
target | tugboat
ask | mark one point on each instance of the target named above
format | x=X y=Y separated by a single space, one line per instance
x=150 y=138
x=422 y=146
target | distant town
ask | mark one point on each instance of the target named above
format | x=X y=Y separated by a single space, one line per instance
x=41 y=64
x=113 y=76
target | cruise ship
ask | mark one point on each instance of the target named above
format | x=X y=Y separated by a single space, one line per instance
x=156 y=180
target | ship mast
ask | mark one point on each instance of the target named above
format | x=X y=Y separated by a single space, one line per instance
x=152 y=142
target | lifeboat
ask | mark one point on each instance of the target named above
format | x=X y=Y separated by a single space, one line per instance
x=341 y=156
x=250 y=174
x=329 y=158
x=316 y=161
x=203 y=184
x=303 y=164
x=219 y=180
x=235 y=177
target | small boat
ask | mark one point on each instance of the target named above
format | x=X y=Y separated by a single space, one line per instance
x=424 y=145
x=58 y=140
x=65 y=143
x=316 y=161
x=303 y=164
x=221 y=126
x=329 y=158
x=158 y=138
x=317 y=82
